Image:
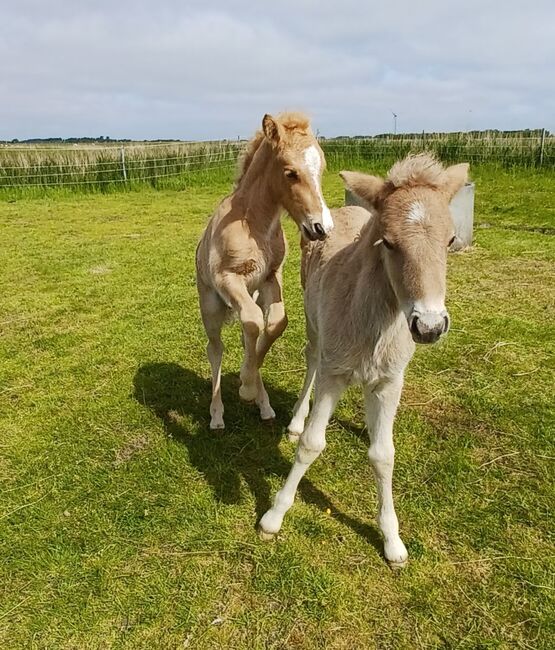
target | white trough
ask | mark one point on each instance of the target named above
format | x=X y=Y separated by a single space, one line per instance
x=462 y=211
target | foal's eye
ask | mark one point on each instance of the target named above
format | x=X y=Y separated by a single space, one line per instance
x=451 y=241
x=387 y=244
x=292 y=174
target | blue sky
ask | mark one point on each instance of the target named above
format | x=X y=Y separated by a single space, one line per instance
x=201 y=70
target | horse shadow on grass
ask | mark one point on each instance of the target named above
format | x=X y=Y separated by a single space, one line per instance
x=247 y=450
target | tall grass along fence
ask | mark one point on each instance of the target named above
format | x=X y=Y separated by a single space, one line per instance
x=529 y=149
x=101 y=167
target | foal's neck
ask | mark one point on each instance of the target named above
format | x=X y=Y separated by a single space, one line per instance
x=257 y=192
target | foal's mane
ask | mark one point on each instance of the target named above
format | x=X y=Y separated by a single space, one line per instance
x=293 y=122
x=421 y=169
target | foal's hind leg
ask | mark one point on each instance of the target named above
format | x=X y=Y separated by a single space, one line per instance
x=213 y=310
x=381 y=405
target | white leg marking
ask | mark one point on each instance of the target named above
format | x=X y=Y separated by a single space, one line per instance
x=381 y=406
x=213 y=312
x=215 y=351
x=263 y=402
x=302 y=406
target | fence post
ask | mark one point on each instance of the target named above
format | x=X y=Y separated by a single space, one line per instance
x=423 y=140
x=123 y=164
x=542 y=146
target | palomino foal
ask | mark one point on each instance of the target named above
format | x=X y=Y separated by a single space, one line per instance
x=241 y=253
x=376 y=285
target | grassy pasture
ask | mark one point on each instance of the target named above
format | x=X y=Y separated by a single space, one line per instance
x=126 y=523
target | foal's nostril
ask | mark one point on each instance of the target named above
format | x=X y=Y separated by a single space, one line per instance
x=446 y=323
x=414 y=325
x=319 y=230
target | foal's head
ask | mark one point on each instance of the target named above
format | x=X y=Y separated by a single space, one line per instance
x=296 y=163
x=413 y=232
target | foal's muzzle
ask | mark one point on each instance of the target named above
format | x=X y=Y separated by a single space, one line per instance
x=428 y=326
x=313 y=230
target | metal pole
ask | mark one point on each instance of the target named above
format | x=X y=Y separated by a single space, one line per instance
x=123 y=164
x=541 y=147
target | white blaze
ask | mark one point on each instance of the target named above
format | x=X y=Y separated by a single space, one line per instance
x=314 y=165
x=417 y=212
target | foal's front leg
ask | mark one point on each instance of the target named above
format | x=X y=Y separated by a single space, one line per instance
x=252 y=322
x=270 y=299
x=381 y=405
x=311 y=444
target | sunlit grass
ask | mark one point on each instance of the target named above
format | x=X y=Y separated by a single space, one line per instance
x=126 y=523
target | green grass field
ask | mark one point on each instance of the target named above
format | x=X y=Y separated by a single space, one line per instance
x=126 y=523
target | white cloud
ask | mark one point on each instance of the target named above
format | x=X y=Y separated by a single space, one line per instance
x=202 y=70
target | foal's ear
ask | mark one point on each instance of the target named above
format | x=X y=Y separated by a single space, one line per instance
x=365 y=187
x=457 y=176
x=272 y=129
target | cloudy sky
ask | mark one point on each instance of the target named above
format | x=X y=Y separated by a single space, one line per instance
x=198 y=69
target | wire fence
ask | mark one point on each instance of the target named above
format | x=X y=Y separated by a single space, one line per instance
x=104 y=166
x=537 y=150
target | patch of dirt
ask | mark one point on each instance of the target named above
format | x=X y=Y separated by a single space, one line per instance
x=101 y=269
x=133 y=447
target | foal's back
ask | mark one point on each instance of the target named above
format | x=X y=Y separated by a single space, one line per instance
x=334 y=250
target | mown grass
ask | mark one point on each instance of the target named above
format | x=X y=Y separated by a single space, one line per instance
x=126 y=523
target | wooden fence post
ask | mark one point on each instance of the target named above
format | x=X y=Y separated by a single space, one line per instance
x=542 y=143
x=123 y=164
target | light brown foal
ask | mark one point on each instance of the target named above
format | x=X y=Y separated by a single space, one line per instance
x=371 y=290
x=240 y=256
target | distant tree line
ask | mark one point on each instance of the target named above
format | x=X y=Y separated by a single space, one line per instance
x=532 y=133
x=84 y=140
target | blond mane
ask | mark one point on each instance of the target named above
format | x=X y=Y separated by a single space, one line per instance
x=294 y=123
x=245 y=159
x=417 y=169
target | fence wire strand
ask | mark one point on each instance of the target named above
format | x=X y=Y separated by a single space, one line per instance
x=61 y=165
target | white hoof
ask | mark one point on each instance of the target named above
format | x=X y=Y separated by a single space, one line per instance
x=296 y=426
x=270 y=524
x=267 y=412
x=397 y=566
x=264 y=536
x=396 y=553
x=216 y=416
x=293 y=437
